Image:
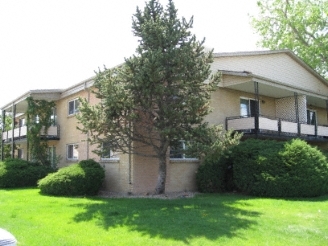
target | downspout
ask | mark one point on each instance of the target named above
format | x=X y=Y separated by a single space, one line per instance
x=297 y=114
x=327 y=110
x=3 y=129
x=27 y=150
x=88 y=134
x=130 y=160
x=257 y=111
x=13 y=131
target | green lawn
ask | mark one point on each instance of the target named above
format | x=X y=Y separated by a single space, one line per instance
x=35 y=219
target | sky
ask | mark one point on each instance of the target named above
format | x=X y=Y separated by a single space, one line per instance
x=54 y=44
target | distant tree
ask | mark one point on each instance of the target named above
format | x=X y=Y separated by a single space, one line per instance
x=159 y=96
x=5 y=125
x=298 y=25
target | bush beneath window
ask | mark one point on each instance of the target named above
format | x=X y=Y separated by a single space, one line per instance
x=278 y=169
x=215 y=173
x=83 y=178
x=21 y=173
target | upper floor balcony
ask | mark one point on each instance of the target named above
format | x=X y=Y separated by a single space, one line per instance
x=20 y=133
x=264 y=125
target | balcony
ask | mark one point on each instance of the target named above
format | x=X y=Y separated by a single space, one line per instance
x=276 y=127
x=20 y=133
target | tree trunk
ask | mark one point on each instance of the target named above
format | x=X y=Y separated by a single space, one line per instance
x=160 y=187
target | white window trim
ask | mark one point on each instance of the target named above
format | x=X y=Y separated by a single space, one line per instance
x=74 y=146
x=76 y=110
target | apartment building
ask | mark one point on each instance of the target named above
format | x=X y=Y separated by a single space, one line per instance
x=264 y=94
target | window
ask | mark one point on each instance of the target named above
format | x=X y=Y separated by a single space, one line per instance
x=21 y=122
x=72 y=152
x=179 y=152
x=73 y=106
x=106 y=153
x=311 y=117
x=53 y=117
x=247 y=107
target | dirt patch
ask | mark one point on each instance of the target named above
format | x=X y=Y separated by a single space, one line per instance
x=169 y=195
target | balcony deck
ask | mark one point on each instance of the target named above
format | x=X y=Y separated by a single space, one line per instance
x=20 y=133
x=276 y=127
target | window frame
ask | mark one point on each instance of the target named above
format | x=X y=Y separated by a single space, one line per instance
x=183 y=155
x=251 y=114
x=75 y=106
x=53 y=116
x=315 y=117
x=109 y=156
x=75 y=147
x=22 y=122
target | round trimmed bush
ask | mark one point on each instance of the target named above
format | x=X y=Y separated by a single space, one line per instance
x=83 y=178
x=21 y=173
x=278 y=169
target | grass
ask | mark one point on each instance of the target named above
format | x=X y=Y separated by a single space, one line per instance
x=227 y=219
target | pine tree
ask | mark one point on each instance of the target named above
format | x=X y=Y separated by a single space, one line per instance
x=159 y=96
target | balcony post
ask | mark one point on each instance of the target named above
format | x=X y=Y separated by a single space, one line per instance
x=327 y=110
x=297 y=114
x=13 y=131
x=226 y=124
x=279 y=126
x=256 y=118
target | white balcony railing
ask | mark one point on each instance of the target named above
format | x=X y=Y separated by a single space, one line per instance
x=278 y=126
x=21 y=133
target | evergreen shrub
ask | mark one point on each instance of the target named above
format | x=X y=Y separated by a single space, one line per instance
x=278 y=169
x=215 y=175
x=83 y=178
x=21 y=173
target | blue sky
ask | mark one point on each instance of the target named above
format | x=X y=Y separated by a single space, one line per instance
x=46 y=44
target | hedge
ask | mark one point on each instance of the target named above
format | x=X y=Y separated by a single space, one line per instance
x=21 y=173
x=267 y=168
x=83 y=178
x=278 y=169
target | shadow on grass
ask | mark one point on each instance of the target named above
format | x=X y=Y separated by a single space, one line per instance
x=306 y=199
x=210 y=216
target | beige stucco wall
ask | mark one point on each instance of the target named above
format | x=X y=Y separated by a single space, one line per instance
x=181 y=175
x=278 y=67
x=123 y=174
x=118 y=174
x=321 y=115
x=68 y=131
x=226 y=103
